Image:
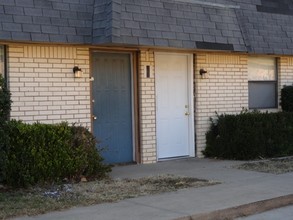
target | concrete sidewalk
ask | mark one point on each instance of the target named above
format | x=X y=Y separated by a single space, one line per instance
x=284 y=213
x=237 y=188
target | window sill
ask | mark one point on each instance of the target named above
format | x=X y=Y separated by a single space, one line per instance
x=264 y=110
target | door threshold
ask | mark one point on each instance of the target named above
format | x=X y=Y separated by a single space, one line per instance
x=173 y=158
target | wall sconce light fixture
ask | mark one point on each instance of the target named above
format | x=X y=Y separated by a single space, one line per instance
x=202 y=72
x=77 y=72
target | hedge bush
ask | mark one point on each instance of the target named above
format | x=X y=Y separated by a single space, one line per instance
x=287 y=98
x=42 y=153
x=5 y=101
x=5 y=106
x=250 y=135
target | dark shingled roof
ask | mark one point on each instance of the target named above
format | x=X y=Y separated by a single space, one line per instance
x=255 y=26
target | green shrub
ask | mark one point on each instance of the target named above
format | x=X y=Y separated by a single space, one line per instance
x=5 y=101
x=42 y=153
x=5 y=106
x=250 y=135
x=3 y=144
x=287 y=98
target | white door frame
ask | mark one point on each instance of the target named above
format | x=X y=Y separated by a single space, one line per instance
x=190 y=90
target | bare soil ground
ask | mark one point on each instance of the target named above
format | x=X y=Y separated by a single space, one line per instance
x=275 y=166
x=40 y=200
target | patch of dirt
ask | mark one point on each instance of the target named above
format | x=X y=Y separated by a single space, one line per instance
x=274 y=166
x=40 y=200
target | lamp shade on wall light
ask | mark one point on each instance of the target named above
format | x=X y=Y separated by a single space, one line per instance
x=77 y=72
x=202 y=72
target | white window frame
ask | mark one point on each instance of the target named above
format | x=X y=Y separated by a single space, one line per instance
x=263 y=79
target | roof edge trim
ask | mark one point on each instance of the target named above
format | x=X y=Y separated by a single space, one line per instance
x=210 y=4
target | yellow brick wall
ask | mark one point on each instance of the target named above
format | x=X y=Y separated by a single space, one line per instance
x=43 y=85
x=44 y=88
x=224 y=89
x=285 y=75
x=147 y=107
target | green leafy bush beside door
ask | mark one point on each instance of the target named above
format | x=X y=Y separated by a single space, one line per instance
x=42 y=153
x=287 y=98
x=250 y=135
x=5 y=101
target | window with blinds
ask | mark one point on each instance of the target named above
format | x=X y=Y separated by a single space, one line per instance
x=262 y=82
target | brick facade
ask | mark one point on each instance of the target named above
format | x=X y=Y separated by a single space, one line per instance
x=147 y=107
x=224 y=89
x=43 y=86
x=285 y=73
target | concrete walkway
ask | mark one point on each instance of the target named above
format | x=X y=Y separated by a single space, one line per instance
x=237 y=188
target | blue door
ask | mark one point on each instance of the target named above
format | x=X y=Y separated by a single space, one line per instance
x=113 y=106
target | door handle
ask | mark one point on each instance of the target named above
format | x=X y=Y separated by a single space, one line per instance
x=187 y=113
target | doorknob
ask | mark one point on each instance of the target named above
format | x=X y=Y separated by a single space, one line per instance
x=187 y=113
x=94 y=117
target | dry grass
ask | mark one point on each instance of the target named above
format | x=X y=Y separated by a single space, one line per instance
x=34 y=201
x=275 y=166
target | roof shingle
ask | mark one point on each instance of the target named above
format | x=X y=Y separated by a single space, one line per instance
x=259 y=26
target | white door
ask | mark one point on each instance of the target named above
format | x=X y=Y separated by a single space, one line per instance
x=172 y=105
